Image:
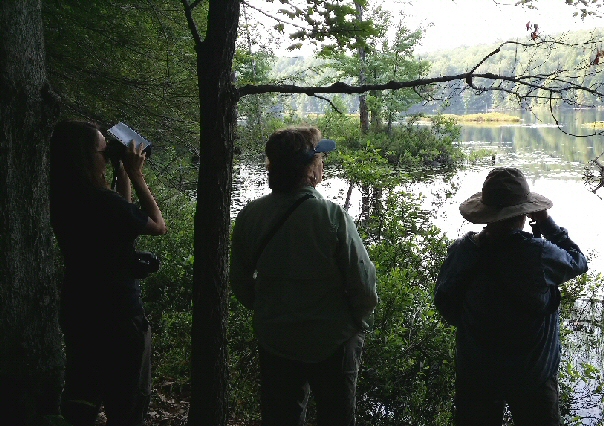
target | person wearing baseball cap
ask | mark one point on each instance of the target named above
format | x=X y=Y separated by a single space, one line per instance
x=499 y=287
x=298 y=261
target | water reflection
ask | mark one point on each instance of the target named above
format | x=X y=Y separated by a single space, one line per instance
x=554 y=163
x=538 y=131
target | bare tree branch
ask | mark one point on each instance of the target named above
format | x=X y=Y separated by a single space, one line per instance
x=494 y=52
x=329 y=101
x=340 y=87
x=191 y=22
x=551 y=87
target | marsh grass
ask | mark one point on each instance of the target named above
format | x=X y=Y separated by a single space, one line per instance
x=482 y=118
x=594 y=125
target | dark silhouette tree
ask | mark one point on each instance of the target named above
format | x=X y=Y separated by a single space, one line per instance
x=217 y=103
x=30 y=340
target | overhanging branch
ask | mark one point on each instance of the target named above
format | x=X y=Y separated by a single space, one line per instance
x=191 y=22
x=339 y=87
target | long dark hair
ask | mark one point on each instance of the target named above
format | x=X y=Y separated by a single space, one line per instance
x=73 y=146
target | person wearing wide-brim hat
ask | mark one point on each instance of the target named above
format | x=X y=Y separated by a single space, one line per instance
x=499 y=288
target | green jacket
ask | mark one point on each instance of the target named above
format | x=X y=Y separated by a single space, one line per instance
x=315 y=285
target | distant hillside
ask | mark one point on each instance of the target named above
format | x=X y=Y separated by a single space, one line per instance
x=511 y=60
x=517 y=60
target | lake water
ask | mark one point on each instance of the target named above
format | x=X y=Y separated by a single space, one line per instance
x=554 y=164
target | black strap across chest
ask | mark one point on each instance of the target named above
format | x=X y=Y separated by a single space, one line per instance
x=278 y=225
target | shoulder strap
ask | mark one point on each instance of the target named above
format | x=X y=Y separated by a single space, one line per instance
x=278 y=225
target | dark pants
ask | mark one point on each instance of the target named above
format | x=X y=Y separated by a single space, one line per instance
x=109 y=365
x=484 y=407
x=285 y=386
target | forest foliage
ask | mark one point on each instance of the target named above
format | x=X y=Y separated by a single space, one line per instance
x=407 y=375
x=135 y=62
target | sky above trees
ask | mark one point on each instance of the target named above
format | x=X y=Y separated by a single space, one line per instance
x=453 y=23
x=469 y=22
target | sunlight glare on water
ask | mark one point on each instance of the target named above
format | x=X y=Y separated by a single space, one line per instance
x=575 y=207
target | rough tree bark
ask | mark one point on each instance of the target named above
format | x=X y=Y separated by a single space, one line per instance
x=217 y=94
x=30 y=340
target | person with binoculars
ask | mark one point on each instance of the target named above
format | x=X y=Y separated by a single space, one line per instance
x=107 y=337
x=499 y=287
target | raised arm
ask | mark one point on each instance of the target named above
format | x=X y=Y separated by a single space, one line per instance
x=133 y=165
x=122 y=185
x=562 y=259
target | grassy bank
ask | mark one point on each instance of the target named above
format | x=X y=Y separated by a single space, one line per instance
x=491 y=117
x=594 y=125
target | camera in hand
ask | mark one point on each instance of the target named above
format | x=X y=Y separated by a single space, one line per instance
x=145 y=263
x=116 y=150
x=119 y=137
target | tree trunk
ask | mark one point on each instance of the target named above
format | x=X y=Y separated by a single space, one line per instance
x=209 y=368
x=363 y=112
x=31 y=359
x=363 y=109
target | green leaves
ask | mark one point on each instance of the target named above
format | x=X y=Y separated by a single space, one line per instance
x=366 y=167
x=408 y=368
x=382 y=60
x=333 y=24
x=128 y=61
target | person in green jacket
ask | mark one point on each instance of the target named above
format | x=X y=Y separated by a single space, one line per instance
x=311 y=285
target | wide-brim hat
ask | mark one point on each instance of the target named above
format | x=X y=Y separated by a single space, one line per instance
x=505 y=194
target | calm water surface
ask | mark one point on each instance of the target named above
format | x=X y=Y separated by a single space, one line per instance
x=554 y=164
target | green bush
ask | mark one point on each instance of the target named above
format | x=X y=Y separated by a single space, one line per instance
x=169 y=289
x=407 y=375
x=408 y=146
x=167 y=293
x=172 y=350
x=244 y=391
